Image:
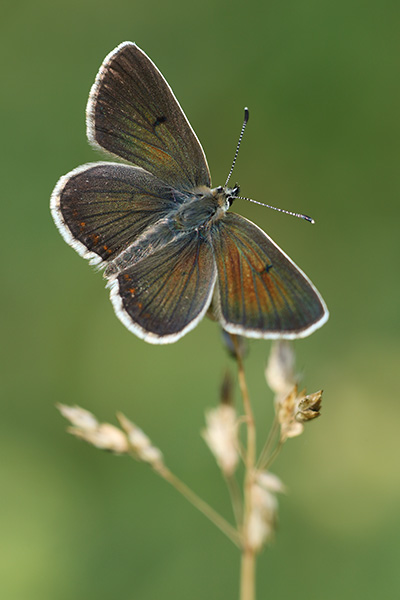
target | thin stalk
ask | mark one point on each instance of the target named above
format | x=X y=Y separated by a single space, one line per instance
x=248 y=564
x=236 y=499
x=202 y=506
x=248 y=575
x=268 y=462
x=268 y=444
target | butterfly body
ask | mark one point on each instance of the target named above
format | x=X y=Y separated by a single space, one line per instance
x=167 y=242
x=194 y=212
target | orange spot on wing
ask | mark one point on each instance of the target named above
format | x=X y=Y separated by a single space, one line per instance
x=132 y=291
x=127 y=277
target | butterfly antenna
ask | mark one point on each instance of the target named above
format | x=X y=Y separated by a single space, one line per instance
x=282 y=210
x=246 y=118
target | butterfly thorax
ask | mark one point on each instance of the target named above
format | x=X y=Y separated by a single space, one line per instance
x=203 y=208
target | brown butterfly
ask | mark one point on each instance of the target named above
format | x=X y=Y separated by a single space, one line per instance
x=166 y=239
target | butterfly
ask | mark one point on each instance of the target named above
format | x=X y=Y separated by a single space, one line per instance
x=167 y=241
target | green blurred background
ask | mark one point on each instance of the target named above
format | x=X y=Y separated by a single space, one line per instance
x=322 y=83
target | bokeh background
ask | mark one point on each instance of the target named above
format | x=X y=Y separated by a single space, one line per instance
x=322 y=82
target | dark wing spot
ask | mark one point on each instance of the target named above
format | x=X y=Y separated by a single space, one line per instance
x=159 y=120
x=268 y=267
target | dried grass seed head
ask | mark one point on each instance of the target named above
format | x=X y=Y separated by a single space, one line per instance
x=280 y=370
x=264 y=509
x=140 y=443
x=105 y=436
x=295 y=410
x=79 y=417
x=221 y=436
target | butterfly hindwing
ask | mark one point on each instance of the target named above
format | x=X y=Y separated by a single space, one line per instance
x=165 y=295
x=260 y=291
x=133 y=113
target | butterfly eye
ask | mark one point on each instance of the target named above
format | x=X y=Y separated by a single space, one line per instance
x=220 y=189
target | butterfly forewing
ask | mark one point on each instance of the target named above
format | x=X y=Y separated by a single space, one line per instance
x=102 y=207
x=133 y=113
x=261 y=292
x=165 y=294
